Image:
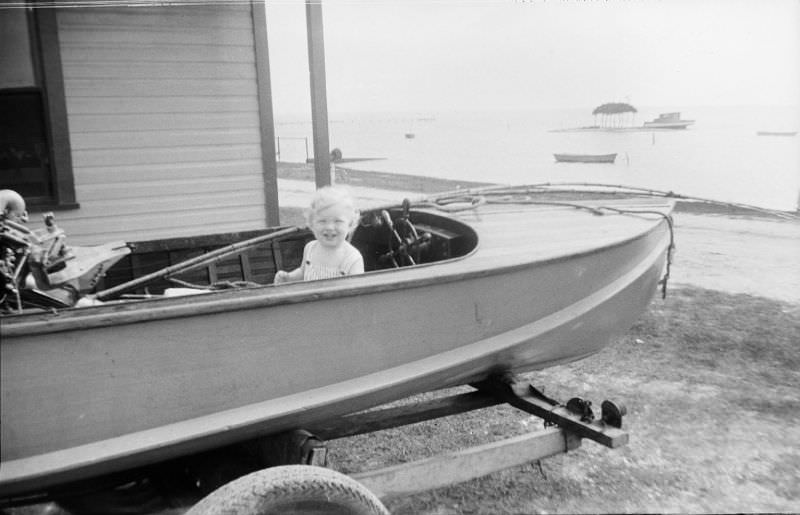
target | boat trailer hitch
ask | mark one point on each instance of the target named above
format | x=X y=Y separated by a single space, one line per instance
x=611 y=413
x=575 y=417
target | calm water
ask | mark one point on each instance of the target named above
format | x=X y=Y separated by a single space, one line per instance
x=719 y=157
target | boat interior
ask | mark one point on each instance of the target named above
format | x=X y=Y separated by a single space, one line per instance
x=37 y=270
x=390 y=238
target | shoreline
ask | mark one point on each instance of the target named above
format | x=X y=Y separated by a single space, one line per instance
x=378 y=180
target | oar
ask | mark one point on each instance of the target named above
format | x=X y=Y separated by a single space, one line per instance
x=195 y=262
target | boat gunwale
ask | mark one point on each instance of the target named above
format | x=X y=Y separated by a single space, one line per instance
x=264 y=296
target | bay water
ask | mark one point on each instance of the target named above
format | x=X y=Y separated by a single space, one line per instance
x=719 y=157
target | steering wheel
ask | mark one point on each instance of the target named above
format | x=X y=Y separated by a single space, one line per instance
x=405 y=243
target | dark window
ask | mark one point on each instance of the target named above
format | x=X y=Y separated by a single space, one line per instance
x=35 y=155
x=24 y=152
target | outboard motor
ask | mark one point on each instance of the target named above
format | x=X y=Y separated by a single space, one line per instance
x=37 y=267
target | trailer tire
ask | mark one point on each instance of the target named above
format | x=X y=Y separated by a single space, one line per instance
x=291 y=489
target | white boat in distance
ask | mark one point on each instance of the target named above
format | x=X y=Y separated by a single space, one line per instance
x=668 y=121
x=776 y=133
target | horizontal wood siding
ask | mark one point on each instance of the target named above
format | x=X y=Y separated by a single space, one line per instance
x=164 y=126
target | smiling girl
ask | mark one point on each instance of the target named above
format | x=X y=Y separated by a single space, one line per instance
x=331 y=217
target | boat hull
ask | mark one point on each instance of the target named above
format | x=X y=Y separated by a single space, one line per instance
x=668 y=121
x=585 y=158
x=128 y=385
x=668 y=125
x=777 y=133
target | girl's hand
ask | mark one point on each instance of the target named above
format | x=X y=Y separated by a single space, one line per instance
x=281 y=276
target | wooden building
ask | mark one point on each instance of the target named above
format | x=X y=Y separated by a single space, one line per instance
x=142 y=122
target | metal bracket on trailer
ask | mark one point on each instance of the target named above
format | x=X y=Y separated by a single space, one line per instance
x=565 y=427
x=575 y=417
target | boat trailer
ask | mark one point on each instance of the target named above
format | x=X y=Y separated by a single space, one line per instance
x=566 y=425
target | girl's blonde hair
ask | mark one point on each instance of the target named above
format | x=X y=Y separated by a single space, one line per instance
x=328 y=196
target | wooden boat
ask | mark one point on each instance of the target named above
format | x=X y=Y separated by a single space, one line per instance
x=585 y=158
x=459 y=287
x=668 y=121
x=776 y=133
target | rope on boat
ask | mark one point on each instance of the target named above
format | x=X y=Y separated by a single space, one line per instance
x=219 y=285
x=588 y=187
x=455 y=204
x=670 y=248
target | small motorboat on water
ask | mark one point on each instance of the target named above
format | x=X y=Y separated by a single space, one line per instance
x=459 y=286
x=585 y=158
x=776 y=133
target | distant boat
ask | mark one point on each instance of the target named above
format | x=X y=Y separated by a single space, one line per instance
x=410 y=135
x=585 y=158
x=668 y=121
x=776 y=133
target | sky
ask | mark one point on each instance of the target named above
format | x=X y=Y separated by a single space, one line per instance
x=434 y=55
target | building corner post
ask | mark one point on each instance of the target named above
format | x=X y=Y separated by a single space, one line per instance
x=266 y=116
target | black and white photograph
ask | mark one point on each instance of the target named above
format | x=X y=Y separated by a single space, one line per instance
x=409 y=257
